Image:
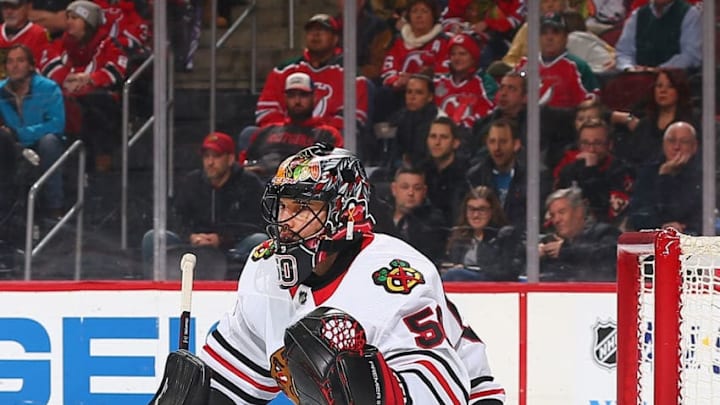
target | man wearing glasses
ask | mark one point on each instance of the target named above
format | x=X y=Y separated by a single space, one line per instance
x=606 y=181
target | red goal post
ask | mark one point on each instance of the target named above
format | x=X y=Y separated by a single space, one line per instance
x=668 y=289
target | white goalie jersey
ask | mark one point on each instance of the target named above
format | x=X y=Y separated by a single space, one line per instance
x=396 y=295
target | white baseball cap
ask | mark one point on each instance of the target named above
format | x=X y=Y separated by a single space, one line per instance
x=299 y=81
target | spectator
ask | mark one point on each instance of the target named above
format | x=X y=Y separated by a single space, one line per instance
x=51 y=15
x=605 y=16
x=184 y=29
x=32 y=110
x=668 y=193
x=128 y=28
x=587 y=46
x=89 y=67
x=606 y=182
x=670 y=102
x=579 y=249
x=494 y=21
x=556 y=131
x=518 y=48
x=373 y=37
x=390 y=10
x=410 y=216
x=216 y=213
x=503 y=172
x=482 y=247
x=588 y=110
x=461 y=94
x=322 y=61
x=274 y=142
x=510 y=103
x=413 y=122
x=17 y=29
x=566 y=79
x=422 y=47
x=663 y=33
x=445 y=170
x=636 y=4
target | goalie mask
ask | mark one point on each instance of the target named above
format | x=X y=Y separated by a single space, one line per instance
x=317 y=203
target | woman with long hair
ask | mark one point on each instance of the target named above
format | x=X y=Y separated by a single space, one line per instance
x=421 y=47
x=671 y=102
x=482 y=247
x=90 y=68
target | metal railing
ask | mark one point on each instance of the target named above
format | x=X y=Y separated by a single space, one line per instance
x=77 y=209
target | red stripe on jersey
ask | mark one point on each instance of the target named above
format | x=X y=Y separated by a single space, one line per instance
x=487 y=393
x=431 y=367
x=239 y=373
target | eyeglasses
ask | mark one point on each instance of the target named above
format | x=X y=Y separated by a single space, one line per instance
x=478 y=210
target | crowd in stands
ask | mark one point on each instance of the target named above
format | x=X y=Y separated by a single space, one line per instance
x=442 y=125
x=62 y=65
x=441 y=97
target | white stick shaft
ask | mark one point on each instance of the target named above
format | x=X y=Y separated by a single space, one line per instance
x=187 y=266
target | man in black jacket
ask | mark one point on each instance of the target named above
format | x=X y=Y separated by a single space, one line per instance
x=668 y=193
x=445 y=170
x=413 y=122
x=556 y=124
x=605 y=180
x=216 y=213
x=410 y=216
x=578 y=249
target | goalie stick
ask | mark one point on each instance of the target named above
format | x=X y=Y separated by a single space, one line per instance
x=187 y=267
x=186 y=380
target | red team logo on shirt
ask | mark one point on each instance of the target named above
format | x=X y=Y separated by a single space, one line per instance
x=399 y=278
x=323 y=93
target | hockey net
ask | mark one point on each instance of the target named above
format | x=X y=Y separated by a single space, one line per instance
x=668 y=319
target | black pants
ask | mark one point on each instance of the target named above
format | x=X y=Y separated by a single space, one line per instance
x=8 y=171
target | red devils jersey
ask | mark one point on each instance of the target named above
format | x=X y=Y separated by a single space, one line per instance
x=399 y=59
x=464 y=102
x=31 y=35
x=328 y=80
x=105 y=63
x=566 y=81
x=392 y=290
x=126 y=25
x=502 y=16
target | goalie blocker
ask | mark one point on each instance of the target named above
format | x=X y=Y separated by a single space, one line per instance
x=186 y=381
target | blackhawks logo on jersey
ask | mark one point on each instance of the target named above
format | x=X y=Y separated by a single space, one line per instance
x=400 y=277
x=263 y=250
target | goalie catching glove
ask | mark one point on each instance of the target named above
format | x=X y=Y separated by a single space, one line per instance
x=331 y=363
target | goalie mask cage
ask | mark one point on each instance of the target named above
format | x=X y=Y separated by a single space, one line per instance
x=668 y=319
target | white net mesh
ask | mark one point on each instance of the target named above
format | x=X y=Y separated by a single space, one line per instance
x=699 y=351
x=700 y=320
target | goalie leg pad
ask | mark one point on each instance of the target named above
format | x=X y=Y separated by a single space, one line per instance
x=186 y=381
x=331 y=363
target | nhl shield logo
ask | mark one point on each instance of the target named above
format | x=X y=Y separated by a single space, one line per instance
x=605 y=344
